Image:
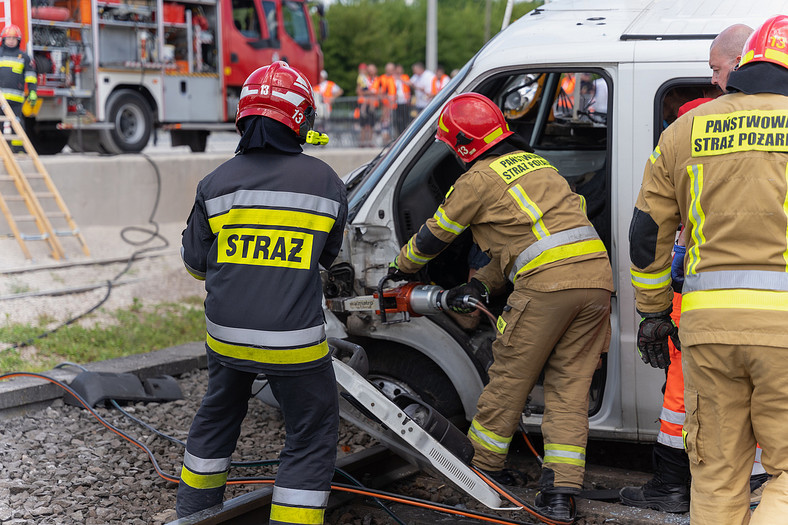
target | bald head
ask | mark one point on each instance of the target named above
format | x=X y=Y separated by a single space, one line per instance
x=725 y=53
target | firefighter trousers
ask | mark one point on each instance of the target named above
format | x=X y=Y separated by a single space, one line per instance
x=16 y=144
x=563 y=332
x=734 y=394
x=310 y=409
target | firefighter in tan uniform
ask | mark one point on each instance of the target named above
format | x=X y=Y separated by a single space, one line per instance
x=523 y=214
x=722 y=170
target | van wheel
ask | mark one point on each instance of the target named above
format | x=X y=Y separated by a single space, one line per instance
x=396 y=369
x=131 y=114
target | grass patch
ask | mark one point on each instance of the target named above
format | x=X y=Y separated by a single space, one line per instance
x=134 y=330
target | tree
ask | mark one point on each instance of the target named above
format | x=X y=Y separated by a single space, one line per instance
x=380 y=31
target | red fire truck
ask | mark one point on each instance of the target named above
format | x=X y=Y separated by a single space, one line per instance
x=111 y=72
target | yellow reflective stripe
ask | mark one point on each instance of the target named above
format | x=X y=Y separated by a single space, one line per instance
x=441 y=125
x=583 y=205
x=564 y=252
x=269 y=217
x=411 y=255
x=300 y=515
x=655 y=155
x=451 y=189
x=13 y=98
x=282 y=356
x=570 y=454
x=740 y=298
x=785 y=211
x=489 y=439
x=779 y=56
x=16 y=66
x=684 y=432
x=493 y=135
x=696 y=216
x=446 y=223
x=30 y=79
x=531 y=209
x=650 y=281
x=195 y=275
x=203 y=481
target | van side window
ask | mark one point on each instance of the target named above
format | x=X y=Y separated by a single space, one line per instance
x=246 y=19
x=674 y=94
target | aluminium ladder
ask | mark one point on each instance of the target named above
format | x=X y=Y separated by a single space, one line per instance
x=35 y=199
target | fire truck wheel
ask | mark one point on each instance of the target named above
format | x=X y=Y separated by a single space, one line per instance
x=133 y=119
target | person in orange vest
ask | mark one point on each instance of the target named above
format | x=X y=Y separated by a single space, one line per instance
x=367 y=102
x=440 y=80
x=326 y=91
x=566 y=96
x=402 y=88
x=385 y=88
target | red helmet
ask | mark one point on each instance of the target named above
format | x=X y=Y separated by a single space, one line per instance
x=11 y=31
x=279 y=92
x=768 y=43
x=471 y=124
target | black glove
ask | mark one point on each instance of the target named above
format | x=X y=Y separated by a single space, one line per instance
x=395 y=273
x=653 y=336
x=456 y=298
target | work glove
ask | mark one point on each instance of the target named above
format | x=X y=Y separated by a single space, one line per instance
x=395 y=273
x=456 y=298
x=677 y=268
x=653 y=336
x=32 y=96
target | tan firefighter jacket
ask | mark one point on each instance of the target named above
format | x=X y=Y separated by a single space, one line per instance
x=722 y=171
x=523 y=214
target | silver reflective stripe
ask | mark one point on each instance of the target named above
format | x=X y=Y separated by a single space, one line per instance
x=557 y=239
x=671 y=416
x=736 y=279
x=205 y=466
x=266 y=338
x=11 y=91
x=670 y=441
x=190 y=269
x=300 y=498
x=281 y=199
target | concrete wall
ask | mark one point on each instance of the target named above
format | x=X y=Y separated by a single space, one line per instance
x=121 y=190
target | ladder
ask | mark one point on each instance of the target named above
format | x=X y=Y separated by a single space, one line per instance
x=44 y=192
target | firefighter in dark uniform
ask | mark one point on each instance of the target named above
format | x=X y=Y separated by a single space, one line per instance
x=523 y=214
x=16 y=72
x=261 y=224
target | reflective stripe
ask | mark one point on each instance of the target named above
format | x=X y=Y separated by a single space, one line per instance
x=410 y=253
x=570 y=454
x=14 y=65
x=650 y=281
x=785 y=212
x=214 y=465
x=447 y=224
x=11 y=94
x=281 y=356
x=655 y=155
x=296 y=515
x=274 y=199
x=556 y=239
x=671 y=416
x=732 y=279
x=670 y=441
x=194 y=273
x=583 y=205
x=564 y=252
x=30 y=79
x=203 y=481
x=531 y=209
x=299 y=497
x=266 y=338
x=272 y=217
x=488 y=439
x=743 y=299
x=697 y=217
x=493 y=135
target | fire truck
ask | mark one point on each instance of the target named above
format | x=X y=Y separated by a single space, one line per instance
x=113 y=72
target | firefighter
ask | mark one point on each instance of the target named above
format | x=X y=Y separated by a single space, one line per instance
x=17 y=72
x=260 y=225
x=721 y=170
x=669 y=490
x=523 y=214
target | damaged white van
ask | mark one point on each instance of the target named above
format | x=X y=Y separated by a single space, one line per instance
x=590 y=85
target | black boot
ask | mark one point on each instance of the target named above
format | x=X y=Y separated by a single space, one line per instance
x=556 y=504
x=668 y=490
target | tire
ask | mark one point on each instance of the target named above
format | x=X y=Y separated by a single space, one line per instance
x=395 y=369
x=47 y=141
x=133 y=119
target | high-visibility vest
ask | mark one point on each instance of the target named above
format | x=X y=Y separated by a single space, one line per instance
x=439 y=83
